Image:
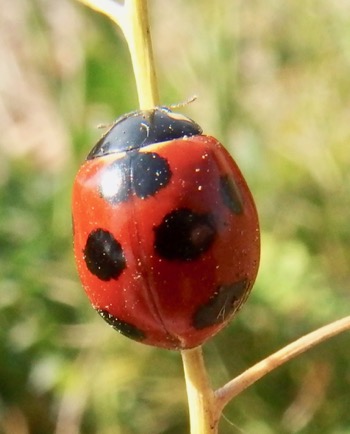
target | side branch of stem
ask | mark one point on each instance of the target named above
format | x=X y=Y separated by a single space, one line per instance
x=251 y=375
x=110 y=8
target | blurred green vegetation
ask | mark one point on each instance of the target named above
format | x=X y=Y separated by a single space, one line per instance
x=273 y=84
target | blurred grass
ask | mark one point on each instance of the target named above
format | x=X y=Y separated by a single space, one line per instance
x=272 y=80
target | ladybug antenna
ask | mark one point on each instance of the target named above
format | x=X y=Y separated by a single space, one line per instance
x=183 y=103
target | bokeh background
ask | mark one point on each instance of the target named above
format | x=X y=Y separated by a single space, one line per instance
x=273 y=84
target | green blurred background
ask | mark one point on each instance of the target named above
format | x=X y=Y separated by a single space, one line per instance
x=273 y=84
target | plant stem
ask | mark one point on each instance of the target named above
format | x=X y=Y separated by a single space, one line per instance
x=260 y=369
x=137 y=33
x=132 y=18
x=110 y=8
x=201 y=400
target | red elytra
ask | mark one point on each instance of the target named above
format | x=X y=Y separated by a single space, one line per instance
x=166 y=234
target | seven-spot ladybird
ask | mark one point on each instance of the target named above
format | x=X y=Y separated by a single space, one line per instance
x=166 y=233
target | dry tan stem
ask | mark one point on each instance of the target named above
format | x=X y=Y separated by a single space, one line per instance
x=110 y=8
x=138 y=36
x=200 y=395
x=251 y=375
x=132 y=18
x=206 y=406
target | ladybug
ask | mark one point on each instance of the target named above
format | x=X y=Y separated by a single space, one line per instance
x=166 y=233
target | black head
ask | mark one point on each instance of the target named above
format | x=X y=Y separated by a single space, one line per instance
x=141 y=128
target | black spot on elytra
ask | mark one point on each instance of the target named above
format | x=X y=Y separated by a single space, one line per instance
x=122 y=327
x=143 y=174
x=225 y=301
x=104 y=255
x=230 y=194
x=150 y=173
x=184 y=235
